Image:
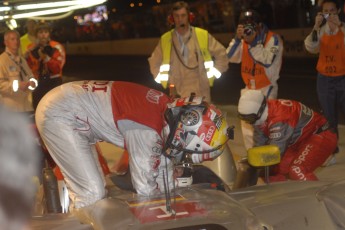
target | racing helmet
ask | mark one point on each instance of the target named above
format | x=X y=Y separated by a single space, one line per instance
x=251 y=106
x=250 y=20
x=195 y=127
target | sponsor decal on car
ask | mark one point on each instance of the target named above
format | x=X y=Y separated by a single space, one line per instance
x=153 y=210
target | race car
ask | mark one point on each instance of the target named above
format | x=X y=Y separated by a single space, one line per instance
x=206 y=204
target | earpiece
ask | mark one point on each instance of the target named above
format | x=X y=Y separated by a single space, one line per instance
x=171 y=21
x=191 y=17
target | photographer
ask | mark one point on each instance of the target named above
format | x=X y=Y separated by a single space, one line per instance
x=46 y=60
x=327 y=39
x=260 y=52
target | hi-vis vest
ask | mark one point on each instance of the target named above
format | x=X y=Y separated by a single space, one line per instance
x=331 y=61
x=253 y=74
x=166 y=43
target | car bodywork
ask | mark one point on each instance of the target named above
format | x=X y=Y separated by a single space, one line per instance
x=284 y=206
x=198 y=206
x=297 y=204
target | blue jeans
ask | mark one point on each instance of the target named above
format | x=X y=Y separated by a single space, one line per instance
x=331 y=93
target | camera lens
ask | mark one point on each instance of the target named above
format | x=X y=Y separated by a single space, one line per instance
x=248 y=29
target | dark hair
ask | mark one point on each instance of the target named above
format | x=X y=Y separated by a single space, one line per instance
x=337 y=4
x=43 y=26
x=180 y=5
x=249 y=17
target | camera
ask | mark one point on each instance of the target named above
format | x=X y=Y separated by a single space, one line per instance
x=47 y=50
x=248 y=29
x=325 y=16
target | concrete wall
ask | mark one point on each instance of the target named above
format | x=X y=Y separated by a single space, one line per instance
x=293 y=45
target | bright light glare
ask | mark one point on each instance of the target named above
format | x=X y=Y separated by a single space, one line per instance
x=85 y=4
x=43 y=5
x=12 y=24
x=5 y=8
x=49 y=5
x=64 y=6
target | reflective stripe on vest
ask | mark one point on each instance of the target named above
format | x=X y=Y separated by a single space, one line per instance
x=166 y=44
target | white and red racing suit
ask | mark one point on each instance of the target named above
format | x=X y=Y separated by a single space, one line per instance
x=302 y=135
x=74 y=116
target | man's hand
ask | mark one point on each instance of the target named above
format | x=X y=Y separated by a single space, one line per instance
x=23 y=85
x=239 y=31
x=41 y=54
x=318 y=21
x=32 y=84
x=333 y=21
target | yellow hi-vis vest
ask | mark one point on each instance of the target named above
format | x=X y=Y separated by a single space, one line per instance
x=166 y=43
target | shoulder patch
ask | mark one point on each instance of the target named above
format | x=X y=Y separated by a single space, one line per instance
x=274 y=50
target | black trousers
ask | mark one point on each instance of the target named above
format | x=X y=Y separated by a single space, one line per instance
x=44 y=86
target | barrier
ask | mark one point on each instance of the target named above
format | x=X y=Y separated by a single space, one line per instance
x=293 y=44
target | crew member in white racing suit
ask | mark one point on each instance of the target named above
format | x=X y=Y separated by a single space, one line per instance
x=304 y=137
x=74 y=116
x=260 y=52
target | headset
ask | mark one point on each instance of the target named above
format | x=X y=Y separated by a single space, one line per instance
x=177 y=6
x=171 y=21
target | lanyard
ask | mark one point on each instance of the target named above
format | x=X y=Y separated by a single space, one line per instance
x=184 y=62
x=19 y=64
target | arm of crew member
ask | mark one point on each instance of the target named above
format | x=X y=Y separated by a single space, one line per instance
x=55 y=62
x=269 y=53
x=259 y=137
x=6 y=80
x=155 y=60
x=280 y=134
x=5 y=85
x=310 y=45
x=218 y=52
x=342 y=28
x=234 y=50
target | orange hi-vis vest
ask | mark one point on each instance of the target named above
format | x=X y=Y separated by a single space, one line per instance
x=253 y=73
x=332 y=55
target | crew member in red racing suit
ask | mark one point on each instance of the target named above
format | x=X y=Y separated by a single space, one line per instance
x=303 y=136
x=74 y=116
